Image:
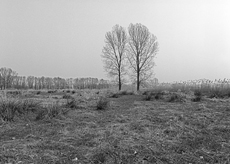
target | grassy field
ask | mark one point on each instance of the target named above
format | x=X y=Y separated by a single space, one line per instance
x=103 y=127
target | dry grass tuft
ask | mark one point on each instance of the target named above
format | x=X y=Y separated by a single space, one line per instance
x=102 y=103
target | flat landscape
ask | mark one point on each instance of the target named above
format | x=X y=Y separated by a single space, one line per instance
x=114 y=82
x=107 y=127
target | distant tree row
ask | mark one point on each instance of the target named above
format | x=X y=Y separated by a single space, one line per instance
x=10 y=79
x=134 y=51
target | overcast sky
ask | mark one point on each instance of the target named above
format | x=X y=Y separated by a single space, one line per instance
x=65 y=37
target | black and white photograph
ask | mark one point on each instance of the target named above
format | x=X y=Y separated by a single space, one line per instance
x=114 y=82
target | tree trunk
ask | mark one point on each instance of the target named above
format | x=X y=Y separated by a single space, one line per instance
x=119 y=80
x=138 y=79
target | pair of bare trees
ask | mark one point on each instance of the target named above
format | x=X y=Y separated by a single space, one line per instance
x=135 y=51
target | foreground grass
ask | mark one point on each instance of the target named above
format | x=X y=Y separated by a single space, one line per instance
x=130 y=131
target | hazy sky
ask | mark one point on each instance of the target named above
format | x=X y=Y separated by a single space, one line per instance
x=65 y=37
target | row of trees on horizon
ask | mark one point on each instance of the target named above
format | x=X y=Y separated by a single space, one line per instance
x=10 y=79
x=130 y=54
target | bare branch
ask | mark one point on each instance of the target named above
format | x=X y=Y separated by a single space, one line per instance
x=113 y=53
x=142 y=48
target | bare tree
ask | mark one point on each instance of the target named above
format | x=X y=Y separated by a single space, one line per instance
x=30 y=82
x=7 y=77
x=114 y=53
x=142 y=48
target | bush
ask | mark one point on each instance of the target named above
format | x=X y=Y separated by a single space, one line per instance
x=198 y=96
x=197 y=93
x=67 y=96
x=114 y=95
x=145 y=92
x=196 y=99
x=38 y=92
x=52 y=91
x=148 y=97
x=73 y=92
x=126 y=93
x=102 y=103
x=30 y=105
x=71 y=103
x=14 y=93
x=158 y=95
x=51 y=111
x=120 y=93
x=218 y=93
x=10 y=107
x=175 y=98
x=54 y=110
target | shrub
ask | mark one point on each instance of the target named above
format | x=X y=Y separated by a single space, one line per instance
x=145 y=93
x=218 y=93
x=30 y=105
x=123 y=93
x=158 y=95
x=120 y=93
x=197 y=93
x=54 y=110
x=67 y=96
x=14 y=93
x=71 y=103
x=198 y=96
x=51 y=111
x=175 y=98
x=148 y=97
x=196 y=99
x=150 y=94
x=102 y=103
x=38 y=92
x=126 y=93
x=114 y=95
x=130 y=93
x=52 y=91
x=10 y=107
x=73 y=92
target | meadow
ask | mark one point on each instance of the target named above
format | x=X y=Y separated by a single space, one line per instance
x=178 y=123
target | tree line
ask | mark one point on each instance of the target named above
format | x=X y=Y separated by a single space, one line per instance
x=130 y=54
x=9 y=79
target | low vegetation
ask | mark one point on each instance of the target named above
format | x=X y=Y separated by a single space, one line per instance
x=121 y=93
x=11 y=107
x=93 y=127
x=102 y=103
